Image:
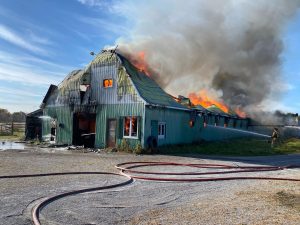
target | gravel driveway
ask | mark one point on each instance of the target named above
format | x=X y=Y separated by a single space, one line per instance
x=143 y=202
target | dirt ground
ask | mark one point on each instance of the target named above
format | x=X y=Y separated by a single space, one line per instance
x=143 y=202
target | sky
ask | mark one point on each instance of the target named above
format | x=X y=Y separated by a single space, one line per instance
x=41 y=41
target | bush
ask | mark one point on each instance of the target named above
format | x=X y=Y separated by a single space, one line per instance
x=124 y=146
x=138 y=149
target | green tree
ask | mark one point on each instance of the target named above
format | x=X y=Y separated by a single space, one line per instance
x=19 y=116
x=5 y=116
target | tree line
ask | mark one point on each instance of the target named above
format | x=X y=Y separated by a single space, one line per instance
x=6 y=116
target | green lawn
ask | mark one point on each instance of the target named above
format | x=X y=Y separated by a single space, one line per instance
x=17 y=136
x=289 y=146
x=241 y=147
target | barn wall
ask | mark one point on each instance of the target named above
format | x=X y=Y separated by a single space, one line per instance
x=213 y=133
x=178 y=130
x=118 y=112
x=177 y=125
x=64 y=116
x=122 y=90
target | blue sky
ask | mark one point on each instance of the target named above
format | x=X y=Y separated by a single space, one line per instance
x=42 y=40
x=291 y=64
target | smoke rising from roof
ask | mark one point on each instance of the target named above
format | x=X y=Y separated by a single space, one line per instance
x=231 y=48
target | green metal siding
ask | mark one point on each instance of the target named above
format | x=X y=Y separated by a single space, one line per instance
x=231 y=122
x=64 y=117
x=117 y=111
x=177 y=125
x=244 y=124
x=178 y=130
x=214 y=133
x=211 y=120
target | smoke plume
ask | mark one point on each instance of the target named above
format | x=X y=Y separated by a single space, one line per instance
x=230 y=48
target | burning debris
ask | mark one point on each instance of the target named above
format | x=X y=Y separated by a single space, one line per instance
x=204 y=100
x=204 y=103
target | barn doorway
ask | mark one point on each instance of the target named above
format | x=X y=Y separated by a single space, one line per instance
x=111 y=133
x=84 y=129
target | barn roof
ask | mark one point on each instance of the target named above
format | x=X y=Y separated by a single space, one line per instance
x=216 y=110
x=148 y=89
x=36 y=113
x=51 y=88
x=200 y=108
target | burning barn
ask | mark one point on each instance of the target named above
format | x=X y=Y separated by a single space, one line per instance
x=111 y=100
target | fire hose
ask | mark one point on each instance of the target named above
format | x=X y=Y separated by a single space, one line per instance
x=128 y=170
x=231 y=169
x=37 y=208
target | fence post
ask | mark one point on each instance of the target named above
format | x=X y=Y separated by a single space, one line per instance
x=12 y=127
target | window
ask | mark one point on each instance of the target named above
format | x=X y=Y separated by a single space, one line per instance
x=241 y=123
x=217 y=120
x=130 y=129
x=205 y=120
x=191 y=123
x=226 y=121
x=161 y=130
x=107 y=83
x=234 y=123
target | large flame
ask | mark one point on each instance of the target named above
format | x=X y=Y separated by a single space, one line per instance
x=203 y=99
x=140 y=63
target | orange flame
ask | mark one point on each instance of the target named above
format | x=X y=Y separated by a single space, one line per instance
x=240 y=112
x=205 y=100
x=140 y=63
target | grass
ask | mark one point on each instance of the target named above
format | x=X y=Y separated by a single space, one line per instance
x=240 y=147
x=17 y=136
x=291 y=145
x=289 y=199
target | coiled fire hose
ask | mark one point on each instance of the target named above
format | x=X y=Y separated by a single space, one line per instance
x=128 y=170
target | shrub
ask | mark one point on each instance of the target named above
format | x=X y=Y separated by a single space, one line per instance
x=138 y=149
x=124 y=146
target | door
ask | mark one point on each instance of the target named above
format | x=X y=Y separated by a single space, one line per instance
x=111 y=133
x=154 y=128
x=84 y=127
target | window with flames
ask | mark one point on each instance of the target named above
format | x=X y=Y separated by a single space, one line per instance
x=130 y=127
x=107 y=83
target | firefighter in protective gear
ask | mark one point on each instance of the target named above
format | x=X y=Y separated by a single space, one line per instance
x=275 y=136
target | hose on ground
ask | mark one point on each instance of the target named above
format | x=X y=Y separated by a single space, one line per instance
x=37 y=208
x=128 y=170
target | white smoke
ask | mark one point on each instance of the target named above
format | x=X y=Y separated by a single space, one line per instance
x=230 y=47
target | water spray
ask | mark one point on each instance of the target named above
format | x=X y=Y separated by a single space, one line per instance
x=241 y=131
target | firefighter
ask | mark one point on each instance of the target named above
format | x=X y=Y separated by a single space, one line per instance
x=275 y=137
